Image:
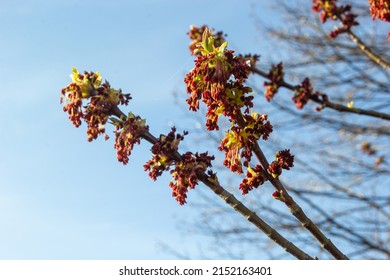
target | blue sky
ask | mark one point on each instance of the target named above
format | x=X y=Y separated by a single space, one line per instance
x=60 y=196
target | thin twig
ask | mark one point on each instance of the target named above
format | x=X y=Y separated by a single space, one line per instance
x=347 y=191
x=368 y=52
x=333 y=221
x=323 y=100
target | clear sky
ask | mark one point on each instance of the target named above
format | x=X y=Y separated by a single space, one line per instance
x=60 y=196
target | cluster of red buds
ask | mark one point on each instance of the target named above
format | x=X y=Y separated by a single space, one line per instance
x=218 y=79
x=326 y=8
x=163 y=153
x=102 y=99
x=254 y=178
x=303 y=93
x=283 y=160
x=185 y=170
x=275 y=76
x=238 y=142
x=380 y=9
x=330 y=9
x=127 y=134
x=185 y=174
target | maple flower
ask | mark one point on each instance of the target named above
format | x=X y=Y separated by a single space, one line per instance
x=257 y=126
x=253 y=179
x=275 y=169
x=330 y=9
x=82 y=87
x=184 y=170
x=102 y=99
x=232 y=145
x=73 y=104
x=238 y=141
x=380 y=9
x=163 y=151
x=275 y=77
x=88 y=82
x=217 y=80
x=283 y=160
x=303 y=93
x=185 y=174
x=127 y=134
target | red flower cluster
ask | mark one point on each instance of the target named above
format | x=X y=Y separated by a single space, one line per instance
x=99 y=109
x=329 y=9
x=185 y=170
x=196 y=34
x=102 y=98
x=284 y=160
x=380 y=9
x=163 y=152
x=185 y=174
x=253 y=179
x=257 y=126
x=238 y=142
x=303 y=93
x=275 y=76
x=74 y=103
x=127 y=134
x=218 y=79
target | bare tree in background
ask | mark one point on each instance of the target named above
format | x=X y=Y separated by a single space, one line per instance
x=342 y=165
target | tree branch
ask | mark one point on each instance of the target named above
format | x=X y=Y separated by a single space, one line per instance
x=323 y=100
x=368 y=52
x=348 y=230
x=294 y=208
x=230 y=199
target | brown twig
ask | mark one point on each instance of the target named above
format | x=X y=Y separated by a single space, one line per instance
x=347 y=229
x=368 y=52
x=323 y=100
